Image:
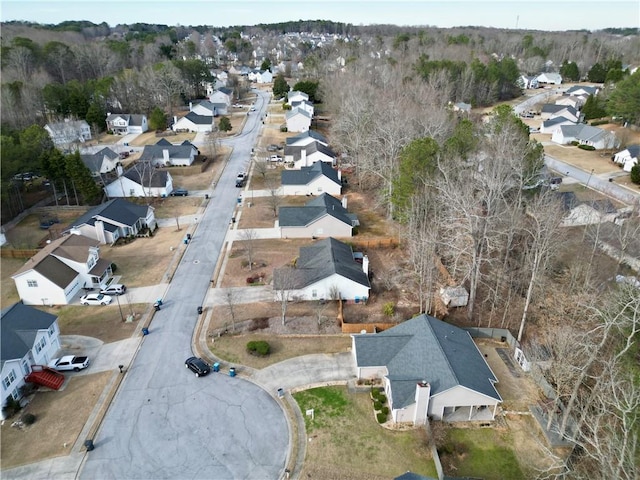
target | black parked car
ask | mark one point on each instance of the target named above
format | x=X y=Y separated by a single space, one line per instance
x=197 y=366
x=180 y=192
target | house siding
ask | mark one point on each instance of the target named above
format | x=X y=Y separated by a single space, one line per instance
x=316 y=187
x=326 y=226
x=457 y=397
x=349 y=290
x=47 y=292
x=124 y=187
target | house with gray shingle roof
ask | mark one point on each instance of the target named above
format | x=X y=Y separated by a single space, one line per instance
x=551 y=125
x=141 y=180
x=103 y=161
x=298 y=120
x=194 y=122
x=429 y=369
x=314 y=180
x=28 y=337
x=584 y=135
x=582 y=90
x=550 y=78
x=114 y=219
x=306 y=155
x=628 y=157
x=304 y=105
x=296 y=96
x=68 y=132
x=551 y=110
x=323 y=269
x=59 y=271
x=165 y=154
x=306 y=138
x=323 y=216
x=126 y=123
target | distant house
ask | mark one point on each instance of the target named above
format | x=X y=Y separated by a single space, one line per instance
x=551 y=125
x=193 y=122
x=69 y=132
x=59 y=271
x=306 y=155
x=314 y=180
x=166 y=154
x=429 y=369
x=222 y=95
x=462 y=107
x=104 y=161
x=306 y=138
x=582 y=90
x=141 y=181
x=551 y=110
x=204 y=108
x=323 y=270
x=585 y=135
x=264 y=76
x=323 y=216
x=29 y=337
x=627 y=157
x=126 y=123
x=114 y=219
x=527 y=82
x=296 y=96
x=549 y=78
x=298 y=120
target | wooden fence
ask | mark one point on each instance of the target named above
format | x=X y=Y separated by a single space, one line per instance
x=377 y=242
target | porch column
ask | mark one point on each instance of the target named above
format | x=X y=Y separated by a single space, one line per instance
x=495 y=407
x=471 y=412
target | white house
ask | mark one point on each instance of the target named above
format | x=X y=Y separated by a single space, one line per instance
x=585 y=135
x=64 y=134
x=264 y=76
x=627 y=157
x=222 y=95
x=527 y=82
x=126 y=123
x=304 y=105
x=552 y=124
x=142 y=180
x=307 y=137
x=323 y=216
x=574 y=102
x=550 y=78
x=323 y=270
x=204 y=108
x=429 y=369
x=298 y=120
x=103 y=161
x=29 y=337
x=193 y=122
x=59 y=271
x=296 y=96
x=582 y=90
x=314 y=180
x=551 y=110
x=115 y=219
x=307 y=155
x=166 y=154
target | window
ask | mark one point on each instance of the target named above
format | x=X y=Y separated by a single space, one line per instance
x=32 y=283
x=9 y=379
x=15 y=394
x=52 y=330
x=314 y=293
x=41 y=344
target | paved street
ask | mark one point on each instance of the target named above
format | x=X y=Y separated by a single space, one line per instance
x=166 y=423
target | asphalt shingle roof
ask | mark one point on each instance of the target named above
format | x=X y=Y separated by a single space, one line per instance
x=296 y=150
x=19 y=325
x=426 y=349
x=306 y=175
x=309 y=133
x=318 y=207
x=151 y=177
x=154 y=152
x=117 y=210
x=94 y=161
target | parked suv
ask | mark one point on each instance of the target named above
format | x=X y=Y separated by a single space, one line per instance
x=114 y=289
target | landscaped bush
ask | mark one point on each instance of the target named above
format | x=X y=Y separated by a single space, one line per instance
x=114 y=268
x=575 y=143
x=283 y=129
x=587 y=147
x=377 y=406
x=382 y=398
x=11 y=407
x=28 y=418
x=259 y=347
x=382 y=417
x=635 y=174
x=599 y=122
x=385 y=410
x=389 y=309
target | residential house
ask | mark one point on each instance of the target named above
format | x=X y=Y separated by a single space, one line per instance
x=103 y=161
x=296 y=96
x=462 y=107
x=115 y=219
x=306 y=155
x=574 y=102
x=166 y=154
x=550 y=110
x=193 y=122
x=527 y=82
x=141 y=180
x=29 y=337
x=66 y=133
x=314 y=180
x=429 y=369
x=585 y=135
x=323 y=216
x=582 y=90
x=304 y=105
x=549 y=78
x=59 y=271
x=306 y=138
x=298 y=120
x=222 y=95
x=551 y=125
x=262 y=76
x=203 y=107
x=323 y=270
x=627 y=157
x=126 y=123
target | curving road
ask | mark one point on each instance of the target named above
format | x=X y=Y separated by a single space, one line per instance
x=166 y=423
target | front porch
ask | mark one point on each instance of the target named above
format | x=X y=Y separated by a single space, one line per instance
x=480 y=413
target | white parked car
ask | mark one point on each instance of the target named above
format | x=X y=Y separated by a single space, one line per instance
x=95 y=299
x=275 y=158
x=114 y=289
x=69 y=362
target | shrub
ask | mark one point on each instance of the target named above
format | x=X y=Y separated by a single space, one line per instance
x=381 y=417
x=587 y=147
x=11 y=407
x=377 y=405
x=382 y=398
x=259 y=347
x=599 y=122
x=114 y=268
x=28 y=418
x=575 y=143
x=249 y=280
x=635 y=174
x=385 y=410
x=389 y=309
x=283 y=129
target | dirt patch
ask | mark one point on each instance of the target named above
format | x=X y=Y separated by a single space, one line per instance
x=60 y=417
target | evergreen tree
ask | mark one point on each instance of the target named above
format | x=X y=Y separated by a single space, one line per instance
x=280 y=86
x=569 y=70
x=593 y=108
x=224 y=125
x=157 y=119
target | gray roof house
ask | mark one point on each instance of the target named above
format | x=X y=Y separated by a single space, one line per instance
x=582 y=90
x=306 y=155
x=585 y=135
x=28 y=337
x=126 y=123
x=323 y=216
x=314 y=180
x=102 y=161
x=324 y=269
x=307 y=137
x=194 y=122
x=141 y=180
x=165 y=153
x=298 y=120
x=550 y=110
x=548 y=126
x=115 y=219
x=429 y=369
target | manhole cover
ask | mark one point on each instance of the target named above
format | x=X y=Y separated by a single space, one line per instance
x=196 y=262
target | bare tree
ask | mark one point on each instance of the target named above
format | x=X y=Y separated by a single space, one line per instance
x=273 y=200
x=260 y=167
x=249 y=237
x=231 y=301
x=284 y=282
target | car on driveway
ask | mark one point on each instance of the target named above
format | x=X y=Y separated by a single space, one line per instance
x=69 y=362
x=197 y=366
x=275 y=158
x=95 y=299
x=114 y=289
x=180 y=192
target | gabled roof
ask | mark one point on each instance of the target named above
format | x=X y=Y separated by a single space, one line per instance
x=62 y=127
x=313 y=147
x=316 y=208
x=309 y=133
x=426 y=349
x=634 y=151
x=322 y=260
x=306 y=175
x=133 y=120
x=554 y=108
x=94 y=161
x=226 y=90
x=584 y=133
x=198 y=119
x=155 y=152
x=296 y=93
x=297 y=111
x=19 y=325
x=206 y=104
x=117 y=210
x=555 y=121
x=301 y=102
x=577 y=90
x=151 y=177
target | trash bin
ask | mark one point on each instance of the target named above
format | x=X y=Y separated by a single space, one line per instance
x=186 y=240
x=88 y=444
x=145 y=331
x=239 y=199
x=216 y=367
x=188 y=236
x=199 y=310
x=232 y=372
x=280 y=392
x=159 y=301
x=206 y=196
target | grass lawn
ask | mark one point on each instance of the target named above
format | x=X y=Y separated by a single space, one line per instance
x=484 y=453
x=103 y=323
x=344 y=440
